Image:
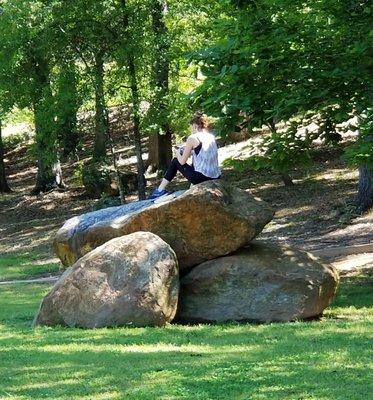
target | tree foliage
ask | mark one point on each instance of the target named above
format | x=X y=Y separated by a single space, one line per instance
x=282 y=60
x=248 y=63
x=278 y=59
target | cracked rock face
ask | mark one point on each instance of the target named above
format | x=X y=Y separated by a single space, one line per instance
x=262 y=283
x=131 y=280
x=207 y=221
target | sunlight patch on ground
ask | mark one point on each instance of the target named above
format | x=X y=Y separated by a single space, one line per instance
x=354 y=262
x=239 y=150
x=29 y=172
x=132 y=160
x=70 y=348
x=351 y=314
x=17 y=129
x=362 y=226
x=294 y=210
x=336 y=174
x=45 y=261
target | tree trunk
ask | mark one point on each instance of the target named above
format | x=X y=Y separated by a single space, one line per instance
x=159 y=152
x=136 y=128
x=4 y=187
x=130 y=62
x=153 y=144
x=49 y=173
x=286 y=178
x=161 y=155
x=364 y=198
x=121 y=189
x=67 y=109
x=329 y=131
x=99 y=150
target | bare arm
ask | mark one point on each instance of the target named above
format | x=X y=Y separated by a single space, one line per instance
x=187 y=151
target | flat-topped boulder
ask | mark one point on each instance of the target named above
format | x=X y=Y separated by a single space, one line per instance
x=207 y=221
x=132 y=280
x=69 y=241
x=262 y=283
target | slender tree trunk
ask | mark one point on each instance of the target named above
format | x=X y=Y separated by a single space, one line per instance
x=161 y=155
x=130 y=62
x=99 y=150
x=4 y=187
x=286 y=178
x=49 y=173
x=121 y=189
x=136 y=129
x=364 y=199
x=329 y=131
x=67 y=109
x=153 y=144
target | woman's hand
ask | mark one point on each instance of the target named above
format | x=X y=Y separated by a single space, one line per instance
x=178 y=150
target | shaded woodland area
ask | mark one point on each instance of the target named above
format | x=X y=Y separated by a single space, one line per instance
x=247 y=64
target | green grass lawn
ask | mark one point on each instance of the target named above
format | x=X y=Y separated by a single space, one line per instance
x=326 y=359
x=25 y=266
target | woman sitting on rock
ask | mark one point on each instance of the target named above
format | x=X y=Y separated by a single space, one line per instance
x=201 y=145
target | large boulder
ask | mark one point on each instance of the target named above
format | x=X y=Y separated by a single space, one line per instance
x=132 y=280
x=260 y=283
x=207 y=221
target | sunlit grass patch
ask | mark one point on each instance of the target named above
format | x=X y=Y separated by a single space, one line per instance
x=29 y=265
x=325 y=359
x=354 y=300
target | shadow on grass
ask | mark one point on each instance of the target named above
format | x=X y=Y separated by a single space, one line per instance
x=324 y=359
x=155 y=363
x=151 y=373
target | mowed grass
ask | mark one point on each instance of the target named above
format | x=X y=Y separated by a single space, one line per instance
x=326 y=359
x=25 y=266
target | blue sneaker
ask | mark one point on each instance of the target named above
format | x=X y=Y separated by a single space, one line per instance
x=157 y=193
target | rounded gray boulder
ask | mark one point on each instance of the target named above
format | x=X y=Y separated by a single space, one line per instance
x=261 y=282
x=130 y=280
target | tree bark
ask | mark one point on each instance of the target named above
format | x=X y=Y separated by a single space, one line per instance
x=286 y=178
x=121 y=189
x=99 y=150
x=49 y=173
x=130 y=63
x=161 y=154
x=67 y=109
x=136 y=128
x=364 y=199
x=4 y=187
x=153 y=144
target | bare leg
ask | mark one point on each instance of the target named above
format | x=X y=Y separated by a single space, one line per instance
x=163 y=184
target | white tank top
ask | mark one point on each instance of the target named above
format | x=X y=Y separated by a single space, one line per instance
x=206 y=161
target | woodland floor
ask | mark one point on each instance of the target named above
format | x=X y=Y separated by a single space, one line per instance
x=313 y=214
